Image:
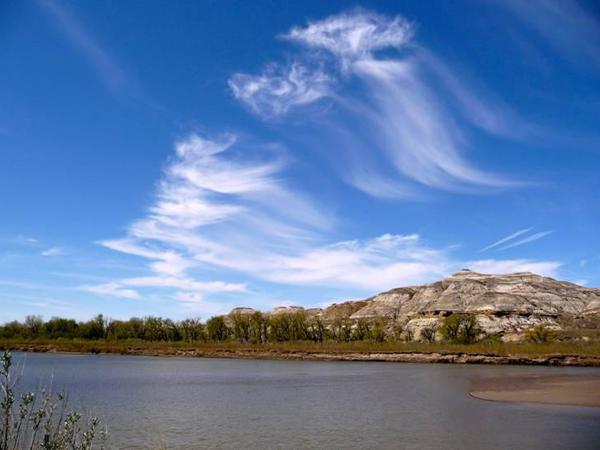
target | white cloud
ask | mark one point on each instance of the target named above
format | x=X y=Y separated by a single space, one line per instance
x=492 y=266
x=183 y=283
x=355 y=35
x=112 y=290
x=376 y=264
x=54 y=251
x=277 y=90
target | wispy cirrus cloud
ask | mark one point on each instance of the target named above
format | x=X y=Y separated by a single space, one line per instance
x=116 y=78
x=213 y=213
x=111 y=290
x=396 y=121
x=212 y=208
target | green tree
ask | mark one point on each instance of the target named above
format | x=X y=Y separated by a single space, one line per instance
x=361 y=330
x=378 y=330
x=240 y=326
x=94 y=329
x=341 y=330
x=58 y=327
x=216 y=329
x=316 y=329
x=258 y=327
x=192 y=330
x=34 y=326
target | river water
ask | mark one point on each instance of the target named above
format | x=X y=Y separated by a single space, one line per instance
x=182 y=403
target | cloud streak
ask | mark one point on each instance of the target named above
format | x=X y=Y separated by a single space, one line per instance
x=532 y=238
x=566 y=26
x=111 y=73
x=510 y=240
x=505 y=239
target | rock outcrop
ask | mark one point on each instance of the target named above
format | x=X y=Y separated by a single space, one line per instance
x=505 y=304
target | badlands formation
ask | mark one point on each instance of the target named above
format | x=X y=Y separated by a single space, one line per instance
x=506 y=305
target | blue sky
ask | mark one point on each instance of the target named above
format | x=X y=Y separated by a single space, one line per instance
x=182 y=158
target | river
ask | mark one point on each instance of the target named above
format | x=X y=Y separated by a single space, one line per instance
x=149 y=402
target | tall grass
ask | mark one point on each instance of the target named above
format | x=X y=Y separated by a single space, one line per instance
x=41 y=420
x=202 y=348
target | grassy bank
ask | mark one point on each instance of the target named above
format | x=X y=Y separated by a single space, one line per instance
x=133 y=347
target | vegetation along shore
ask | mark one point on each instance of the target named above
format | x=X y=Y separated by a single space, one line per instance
x=293 y=336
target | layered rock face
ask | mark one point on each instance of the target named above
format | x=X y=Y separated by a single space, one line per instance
x=504 y=304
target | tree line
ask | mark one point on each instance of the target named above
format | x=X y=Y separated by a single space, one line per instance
x=255 y=328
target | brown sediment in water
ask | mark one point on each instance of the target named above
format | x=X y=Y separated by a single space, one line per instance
x=575 y=390
x=305 y=353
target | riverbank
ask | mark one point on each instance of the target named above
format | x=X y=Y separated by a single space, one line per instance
x=575 y=390
x=553 y=354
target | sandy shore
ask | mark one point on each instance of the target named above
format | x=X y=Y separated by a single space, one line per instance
x=577 y=390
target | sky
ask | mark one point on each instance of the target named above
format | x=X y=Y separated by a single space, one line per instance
x=183 y=158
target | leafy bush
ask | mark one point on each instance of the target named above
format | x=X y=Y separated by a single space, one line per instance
x=461 y=329
x=540 y=334
x=41 y=421
x=429 y=333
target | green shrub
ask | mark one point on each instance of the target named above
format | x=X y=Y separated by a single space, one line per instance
x=540 y=334
x=461 y=329
x=429 y=333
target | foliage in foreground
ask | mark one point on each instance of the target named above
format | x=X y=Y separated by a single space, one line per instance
x=41 y=420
